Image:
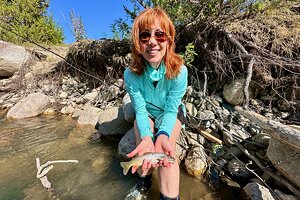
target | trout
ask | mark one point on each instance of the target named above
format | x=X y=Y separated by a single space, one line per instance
x=154 y=158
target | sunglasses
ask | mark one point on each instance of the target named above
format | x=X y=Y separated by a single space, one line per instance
x=160 y=36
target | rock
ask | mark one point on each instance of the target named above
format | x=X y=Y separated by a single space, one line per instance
x=228 y=182
x=191 y=109
x=12 y=57
x=195 y=163
x=262 y=138
x=234 y=92
x=181 y=146
x=284 y=196
x=239 y=132
x=112 y=122
x=237 y=168
x=194 y=139
x=129 y=114
x=220 y=164
x=206 y=115
x=253 y=129
x=32 y=105
x=284 y=105
x=127 y=144
x=285 y=159
x=49 y=111
x=232 y=152
x=255 y=191
x=91 y=95
x=89 y=116
x=63 y=95
x=69 y=109
x=77 y=112
x=189 y=90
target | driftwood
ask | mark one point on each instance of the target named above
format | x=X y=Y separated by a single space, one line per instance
x=277 y=130
x=42 y=170
x=209 y=136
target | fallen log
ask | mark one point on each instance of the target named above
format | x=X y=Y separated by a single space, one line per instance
x=277 y=130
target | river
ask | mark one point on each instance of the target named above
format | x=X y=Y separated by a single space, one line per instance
x=96 y=176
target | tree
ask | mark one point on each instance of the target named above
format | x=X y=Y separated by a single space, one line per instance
x=120 y=29
x=29 y=19
x=183 y=12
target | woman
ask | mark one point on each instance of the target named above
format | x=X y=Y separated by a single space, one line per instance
x=156 y=82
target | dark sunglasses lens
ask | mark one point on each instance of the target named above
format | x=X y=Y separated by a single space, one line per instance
x=145 y=36
x=160 y=36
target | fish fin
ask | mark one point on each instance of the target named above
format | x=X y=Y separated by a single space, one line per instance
x=125 y=166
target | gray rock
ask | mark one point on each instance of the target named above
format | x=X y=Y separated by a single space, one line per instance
x=112 y=122
x=191 y=109
x=286 y=159
x=237 y=168
x=32 y=105
x=89 y=116
x=63 y=95
x=12 y=57
x=129 y=114
x=255 y=191
x=233 y=93
x=127 y=144
x=284 y=196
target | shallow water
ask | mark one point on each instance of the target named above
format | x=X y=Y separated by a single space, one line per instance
x=98 y=174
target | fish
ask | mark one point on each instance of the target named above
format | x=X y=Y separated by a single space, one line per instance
x=154 y=158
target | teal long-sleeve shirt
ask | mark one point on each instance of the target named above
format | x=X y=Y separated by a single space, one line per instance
x=160 y=102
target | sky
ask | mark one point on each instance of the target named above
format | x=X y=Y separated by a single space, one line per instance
x=97 y=16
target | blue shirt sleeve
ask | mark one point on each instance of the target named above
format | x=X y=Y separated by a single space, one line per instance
x=174 y=98
x=133 y=87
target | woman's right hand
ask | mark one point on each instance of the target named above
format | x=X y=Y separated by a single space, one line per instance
x=145 y=146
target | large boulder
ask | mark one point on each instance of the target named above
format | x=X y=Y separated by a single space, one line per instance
x=112 y=122
x=12 y=57
x=126 y=145
x=32 y=105
x=286 y=159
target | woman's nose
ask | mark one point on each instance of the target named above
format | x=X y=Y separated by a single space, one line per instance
x=152 y=41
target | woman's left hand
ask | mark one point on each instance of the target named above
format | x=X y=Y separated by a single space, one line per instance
x=163 y=145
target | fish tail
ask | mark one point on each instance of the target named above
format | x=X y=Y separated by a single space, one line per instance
x=125 y=166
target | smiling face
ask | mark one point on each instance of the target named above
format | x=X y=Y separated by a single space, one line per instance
x=153 y=51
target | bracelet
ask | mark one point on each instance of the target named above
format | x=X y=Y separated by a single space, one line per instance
x=161 y=133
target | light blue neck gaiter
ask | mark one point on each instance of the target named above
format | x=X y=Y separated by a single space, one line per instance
x=156 y=74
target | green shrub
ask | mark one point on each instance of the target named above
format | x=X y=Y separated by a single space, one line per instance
x=29 y=19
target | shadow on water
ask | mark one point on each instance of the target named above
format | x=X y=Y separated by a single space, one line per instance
x=98 y=174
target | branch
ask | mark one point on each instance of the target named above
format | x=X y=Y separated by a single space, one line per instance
x=249 y=68
x=45 y=168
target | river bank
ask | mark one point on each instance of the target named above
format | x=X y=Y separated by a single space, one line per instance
x=221 y=143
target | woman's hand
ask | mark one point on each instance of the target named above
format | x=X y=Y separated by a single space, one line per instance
x=146 y=145
x=163 y=145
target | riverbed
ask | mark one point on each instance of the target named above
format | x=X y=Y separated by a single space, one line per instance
x=97 y=175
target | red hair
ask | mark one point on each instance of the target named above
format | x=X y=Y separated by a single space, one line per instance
x=144 y=20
